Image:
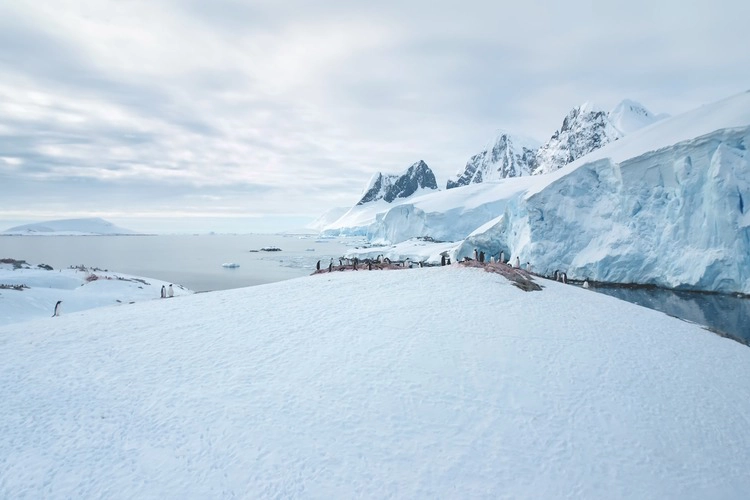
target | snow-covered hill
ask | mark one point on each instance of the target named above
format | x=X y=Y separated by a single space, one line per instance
x=31 y=291
x=665 y=205
x=356 y=392
x=85 y=227
x=583 y=130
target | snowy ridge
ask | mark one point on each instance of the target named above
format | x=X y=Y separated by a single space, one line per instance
x=85 y=227
x=234 y=394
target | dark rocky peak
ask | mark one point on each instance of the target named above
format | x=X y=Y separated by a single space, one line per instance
x=389 y=187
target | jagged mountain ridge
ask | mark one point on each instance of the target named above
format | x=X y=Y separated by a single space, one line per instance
x=389 y=187
x=508 y=156
x=584 y=129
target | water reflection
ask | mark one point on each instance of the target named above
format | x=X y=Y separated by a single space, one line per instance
x=727 y=314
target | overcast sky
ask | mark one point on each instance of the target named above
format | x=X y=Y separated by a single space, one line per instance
x=156 y=109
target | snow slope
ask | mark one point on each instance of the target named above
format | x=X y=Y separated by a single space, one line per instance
x=328 y=217
x=77 y=289
x=88 y=226
x=374 y=384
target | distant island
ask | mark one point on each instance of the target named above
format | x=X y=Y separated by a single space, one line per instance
x=93 y=226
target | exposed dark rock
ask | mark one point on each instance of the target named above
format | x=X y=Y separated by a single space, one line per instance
x=389 y=187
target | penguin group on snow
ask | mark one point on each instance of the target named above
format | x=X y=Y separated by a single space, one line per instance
x=167 y=292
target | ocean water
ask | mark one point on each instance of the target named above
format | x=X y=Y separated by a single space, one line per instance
x=196 y=263
x=727 y=314
x=192 y=261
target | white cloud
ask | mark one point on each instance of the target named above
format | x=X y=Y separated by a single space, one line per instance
x=289 y=107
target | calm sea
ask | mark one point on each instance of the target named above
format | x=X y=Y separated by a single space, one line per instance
x=192 y=261
x=196 y=262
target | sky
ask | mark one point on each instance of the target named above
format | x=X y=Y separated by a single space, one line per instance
x=171 y=115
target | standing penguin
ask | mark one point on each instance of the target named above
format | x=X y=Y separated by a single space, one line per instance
x=481 y=256
x=502 y=257
x=170 y=291
x=442 y=260
x=476 y=255
x=585 y=283
x=518 y=262
x=317 y=266
x=163 y=292
x=57 y=309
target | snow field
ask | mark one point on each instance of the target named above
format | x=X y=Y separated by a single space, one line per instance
x=423 y=383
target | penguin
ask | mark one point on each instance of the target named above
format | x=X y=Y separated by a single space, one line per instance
x=585 y=283
x=518 y=262
x=442 y=260
x=476 y=255
x=564 y=277
x=354 y=263
x=421 y=264
x=170 y=291
x=57 y=309
x=317 y=266
x=528 y=266
x=481 y=256
x=502 y=257
x=330 y=266
x=163 y=292
x=556 y=275
x=369 y=265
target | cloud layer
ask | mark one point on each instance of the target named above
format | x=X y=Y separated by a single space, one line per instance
x=239 y=108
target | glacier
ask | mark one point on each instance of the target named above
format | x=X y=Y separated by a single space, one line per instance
x=666 y=205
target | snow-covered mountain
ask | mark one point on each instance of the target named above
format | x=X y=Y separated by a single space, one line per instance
x=87 y=226
x=327 y=218
x=507 y=156
x=583 y=130
x=382 y=192
x=334 y=386
x=389 y=187
x=629 y=116
x=665 y=205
